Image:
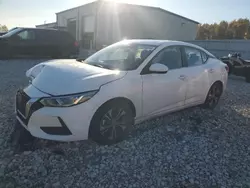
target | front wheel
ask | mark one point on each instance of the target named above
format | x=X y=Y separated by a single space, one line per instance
x=213 y=96
x=111 y=123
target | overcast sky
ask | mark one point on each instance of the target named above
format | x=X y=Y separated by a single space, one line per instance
x=34 y=12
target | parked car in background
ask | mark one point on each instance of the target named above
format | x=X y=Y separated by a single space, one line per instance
x=3 y=33
x=37 y=42
x=125 y=83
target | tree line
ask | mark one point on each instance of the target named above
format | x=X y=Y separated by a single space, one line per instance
x=236 y=29
x=3 y=28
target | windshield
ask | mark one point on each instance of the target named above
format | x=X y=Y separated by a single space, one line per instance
x=12 y=32
x=121 y=56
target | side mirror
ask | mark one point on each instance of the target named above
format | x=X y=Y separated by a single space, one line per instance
x=158 y=68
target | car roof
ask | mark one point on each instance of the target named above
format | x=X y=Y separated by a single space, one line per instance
x=34 y=28
x=165 y=42
x=158 y=42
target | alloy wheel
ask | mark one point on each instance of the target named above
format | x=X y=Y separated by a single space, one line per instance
x=214 y=95
x=114 y=123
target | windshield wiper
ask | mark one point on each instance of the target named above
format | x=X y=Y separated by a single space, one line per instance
x=97 y=65
x=80 y=59
x=94 y=64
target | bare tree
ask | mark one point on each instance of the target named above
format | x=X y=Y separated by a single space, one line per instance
x=3 y=28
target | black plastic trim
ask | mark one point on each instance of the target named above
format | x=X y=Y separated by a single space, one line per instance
x=25 y=121
x=34 y=107
x=59 y=131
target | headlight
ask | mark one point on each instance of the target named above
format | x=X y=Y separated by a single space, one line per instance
x=69 y=100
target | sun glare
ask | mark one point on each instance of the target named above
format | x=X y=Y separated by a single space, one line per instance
x=129 y=1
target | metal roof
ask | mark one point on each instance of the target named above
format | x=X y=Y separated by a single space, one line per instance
x=47 y=24
x=142 y=6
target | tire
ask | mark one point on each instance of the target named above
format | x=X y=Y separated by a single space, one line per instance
x=106 y=127
x=213 y=96
x=230 y=68
x=20 y=135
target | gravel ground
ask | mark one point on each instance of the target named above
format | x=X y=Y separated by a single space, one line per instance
x=188 y=149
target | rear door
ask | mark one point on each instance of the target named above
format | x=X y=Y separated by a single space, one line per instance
x=196 y=74
x=67 y=43
x=47 y=42
x=42 y=39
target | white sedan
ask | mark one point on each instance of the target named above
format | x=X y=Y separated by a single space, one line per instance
x=103 y=96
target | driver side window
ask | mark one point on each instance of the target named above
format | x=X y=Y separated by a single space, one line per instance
x=26 y=35
x=170 y=56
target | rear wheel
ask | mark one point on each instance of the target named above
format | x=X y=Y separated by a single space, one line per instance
x=111 y=123
x=213 y=96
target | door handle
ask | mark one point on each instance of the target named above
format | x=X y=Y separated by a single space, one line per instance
x=182 y=77
x=211 y=70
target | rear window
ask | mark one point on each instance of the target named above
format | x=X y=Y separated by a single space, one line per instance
x=193 y=56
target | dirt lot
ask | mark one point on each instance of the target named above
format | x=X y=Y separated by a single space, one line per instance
x=191 y=148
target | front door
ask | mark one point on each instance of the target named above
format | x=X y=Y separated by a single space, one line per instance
x=24 y=43
x=165 y=92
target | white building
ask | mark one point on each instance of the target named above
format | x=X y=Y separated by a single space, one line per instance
x=47 y=26
x=102 y=23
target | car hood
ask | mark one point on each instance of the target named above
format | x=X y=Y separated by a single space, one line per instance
x=62 y=77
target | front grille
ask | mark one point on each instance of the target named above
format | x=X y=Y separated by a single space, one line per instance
x=24 y=111
x=25 y=121
x=21 y=100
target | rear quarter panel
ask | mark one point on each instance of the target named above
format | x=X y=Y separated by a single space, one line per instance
x=220 y=73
